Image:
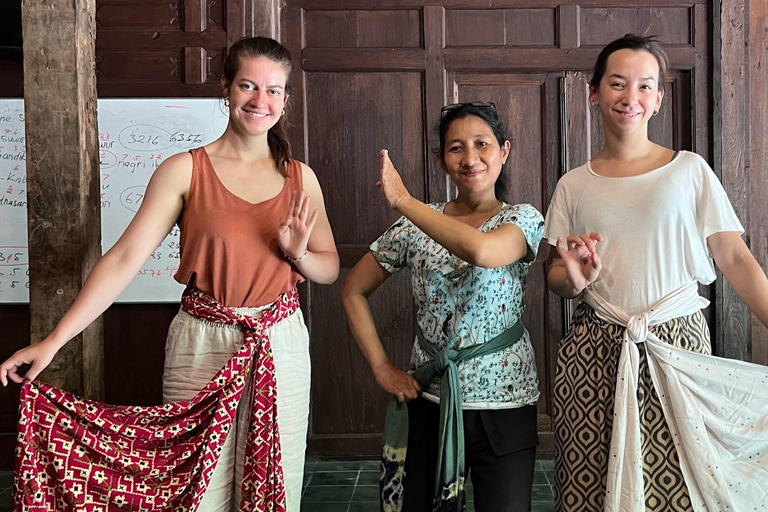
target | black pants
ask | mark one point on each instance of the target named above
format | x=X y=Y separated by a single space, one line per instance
x=500 y=447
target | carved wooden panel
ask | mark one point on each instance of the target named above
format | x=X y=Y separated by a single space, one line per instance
x=350 y=117
x=600 y=26
x=500 y=27
x=363 y=28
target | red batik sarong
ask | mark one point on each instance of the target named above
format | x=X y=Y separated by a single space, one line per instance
x=74 y=454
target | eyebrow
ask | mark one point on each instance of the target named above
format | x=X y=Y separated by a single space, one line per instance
x=622 y=77
x=268 y=87
x=474 y=137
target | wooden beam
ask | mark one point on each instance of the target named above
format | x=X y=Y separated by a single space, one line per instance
x=64 y=217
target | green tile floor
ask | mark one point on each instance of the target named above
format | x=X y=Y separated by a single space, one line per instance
x=351 y=486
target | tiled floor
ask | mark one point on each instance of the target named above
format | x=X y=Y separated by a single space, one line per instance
x=351 y=486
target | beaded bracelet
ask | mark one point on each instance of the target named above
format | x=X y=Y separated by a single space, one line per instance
x=296 y=260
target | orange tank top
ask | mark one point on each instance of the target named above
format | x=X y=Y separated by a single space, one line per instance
x=229 y=246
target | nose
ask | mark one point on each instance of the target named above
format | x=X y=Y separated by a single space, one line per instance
x=630 y=96
x=471 y=156
x=260 y=97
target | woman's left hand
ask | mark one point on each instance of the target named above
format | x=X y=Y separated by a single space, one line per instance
x=391 y=183
x=294 y=230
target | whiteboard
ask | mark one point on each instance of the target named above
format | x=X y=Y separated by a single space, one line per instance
x=135 y=136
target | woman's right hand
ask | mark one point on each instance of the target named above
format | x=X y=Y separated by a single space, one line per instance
x=38 y=356
x=397 y=382
x=579 y=255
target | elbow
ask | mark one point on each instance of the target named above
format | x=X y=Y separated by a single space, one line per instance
x=348 y=292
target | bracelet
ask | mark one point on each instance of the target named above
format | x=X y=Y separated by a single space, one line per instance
x=296 y=260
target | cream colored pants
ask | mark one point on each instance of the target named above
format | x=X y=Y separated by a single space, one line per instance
x=196 y=350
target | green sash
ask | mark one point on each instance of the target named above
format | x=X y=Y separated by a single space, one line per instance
x=449 y=483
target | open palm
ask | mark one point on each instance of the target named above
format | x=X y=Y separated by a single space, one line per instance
x=295 y=228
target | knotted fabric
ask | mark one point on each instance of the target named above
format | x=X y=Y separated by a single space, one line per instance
x=716 y=410
x=74 y=454
x=449 y=481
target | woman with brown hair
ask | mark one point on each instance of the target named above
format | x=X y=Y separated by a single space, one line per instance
x=247 y=238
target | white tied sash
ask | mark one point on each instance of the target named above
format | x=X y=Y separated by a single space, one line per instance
x=716 y=410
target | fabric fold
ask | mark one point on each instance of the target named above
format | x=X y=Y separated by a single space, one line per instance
x=77 y=454
x=449 y=481
x=716 y=410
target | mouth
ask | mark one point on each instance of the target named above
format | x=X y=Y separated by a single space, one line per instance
x=627 y=114
x=473 y=173
x=256 y=115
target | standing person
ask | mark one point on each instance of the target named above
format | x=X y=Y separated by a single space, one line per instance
x=475 y=386
x=635 y=229
x=247 y=239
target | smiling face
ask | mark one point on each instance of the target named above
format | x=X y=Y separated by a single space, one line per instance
x=257 y=95
x=472 y=156
x=629 y=92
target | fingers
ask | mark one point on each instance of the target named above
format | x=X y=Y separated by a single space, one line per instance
x=312 y=220
x=10 y=369
x=304 y=207
x=32 y=373
x=597 y=263
x=561 y=247
x=597 y=237
x=588 y=242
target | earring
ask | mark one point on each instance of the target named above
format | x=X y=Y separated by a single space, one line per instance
x=655 y=112
x=283 y=113
x=226 y=102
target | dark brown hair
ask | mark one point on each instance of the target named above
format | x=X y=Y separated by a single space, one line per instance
x=250 y=47
x=631 y=42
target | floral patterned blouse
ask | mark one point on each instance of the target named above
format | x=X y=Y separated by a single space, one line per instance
x=460 y=305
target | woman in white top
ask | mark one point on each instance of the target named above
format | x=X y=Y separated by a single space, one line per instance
x=634 y=228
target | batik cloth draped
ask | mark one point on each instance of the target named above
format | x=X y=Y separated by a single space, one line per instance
x=716 y=410
x=449 y=482
x=74 y=454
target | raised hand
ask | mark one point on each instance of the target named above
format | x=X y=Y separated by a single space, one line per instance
x=390 y=182
x=295 y=228
x=582 y=264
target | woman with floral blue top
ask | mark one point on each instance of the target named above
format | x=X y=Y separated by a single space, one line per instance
x=472 y=391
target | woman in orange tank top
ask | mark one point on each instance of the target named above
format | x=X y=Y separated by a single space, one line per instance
x=247 y=238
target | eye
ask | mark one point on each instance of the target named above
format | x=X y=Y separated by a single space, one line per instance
x=454 y=149
x=481 y=144
x=274 y=92
x=247 y=87
x=617 y=84
x=646 y=87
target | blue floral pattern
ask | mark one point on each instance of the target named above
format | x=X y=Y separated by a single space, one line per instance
x=461 y=305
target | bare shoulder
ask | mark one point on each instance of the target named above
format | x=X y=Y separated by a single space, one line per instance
x=175 y=171
x=309 y=178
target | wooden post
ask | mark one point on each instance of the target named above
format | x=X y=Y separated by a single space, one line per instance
x=741 y=127
x=64 y=215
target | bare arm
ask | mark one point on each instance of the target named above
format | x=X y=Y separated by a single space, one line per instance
x=496 y=248
x=742 y=271
x=113 y=273
x=361 y=282
x=319 y=260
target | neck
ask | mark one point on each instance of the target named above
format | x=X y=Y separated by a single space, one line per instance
x=250 y=148
x=626 y=146
x=476 y=203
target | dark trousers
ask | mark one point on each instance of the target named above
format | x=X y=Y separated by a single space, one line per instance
x=500 y=447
